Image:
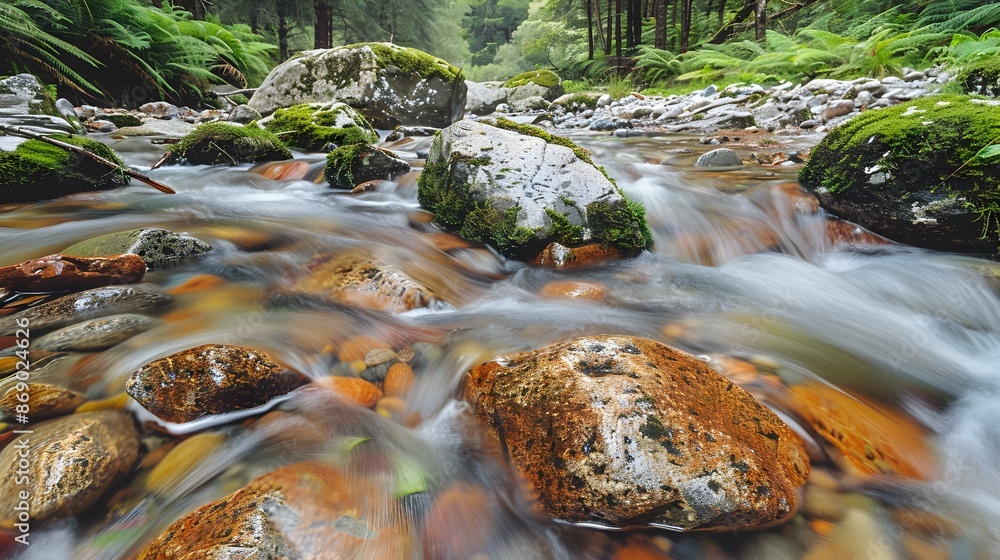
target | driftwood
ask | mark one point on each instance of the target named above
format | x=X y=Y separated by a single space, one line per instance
x=18 y=131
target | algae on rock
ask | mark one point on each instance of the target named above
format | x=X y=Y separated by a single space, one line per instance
x=315 y=126
x=228 y=144
x=36 y=170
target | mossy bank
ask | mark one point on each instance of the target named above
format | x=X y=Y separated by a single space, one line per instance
x=36 y=170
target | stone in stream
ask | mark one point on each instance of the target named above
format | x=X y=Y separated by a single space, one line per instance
x=308 y=511
x=73 y=460
x=98 y=302
x=316 y=126
x=220 y=143
x=518 y=188
x=390 y=85
x=159 y=248
x=722 y=157
x=536 y=84
x=483 y=98
x=353 y=165
x=46 y=400
x=25 y=101
x=55 y=273
x=919 y=173
x=209 y=379
x=622 y=431
x=96 y=334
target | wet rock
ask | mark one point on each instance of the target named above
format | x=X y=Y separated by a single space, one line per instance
x=560 y=256
x=46 y=400
x=625 y=431
x=98 y=302
x=209 y=379
x=55 y=273
x=722 y=157
x=837 y=108
x=359 y=391
x=221 y=143
x=348 y=166
x=24 y=101
x=307 y=511
x=73 y=460
x=574 y=289
x=913 y=173
x=244 y=114
x=519 y=189
x=357 y=280
x=160 y=110
x=483 y=98
x=317 y=126
x=459 y=523
x=96 y=334
x=536 y=83
x=101 y=125
x=159 y=248
x=36 y=170
x=398 y=380
x=389 y=84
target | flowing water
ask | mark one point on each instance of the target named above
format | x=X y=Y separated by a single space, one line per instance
x=742 y=272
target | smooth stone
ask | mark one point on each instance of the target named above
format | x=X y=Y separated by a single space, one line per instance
x=55 y=273
x=98 y=302
x=73 y=461
x=209 y=379
x=722 y=157
x=46 y=400
x=159 y=248
x=244 y=114
x=556 y=255
x=96 y=334
x=160 y=109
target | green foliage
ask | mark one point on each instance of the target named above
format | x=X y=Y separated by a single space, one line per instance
x=226 y=144
x=620 y=86
x=313 y=127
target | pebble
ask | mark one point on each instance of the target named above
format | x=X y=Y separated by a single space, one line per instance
x=398 y=380
x=97 y=302
x=353 y=389
x=96 y=334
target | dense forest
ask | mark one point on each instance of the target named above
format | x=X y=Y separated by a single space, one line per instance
x=175 y=51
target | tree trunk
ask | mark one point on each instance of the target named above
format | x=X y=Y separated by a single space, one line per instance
x=282 y=32
x=729 y=30
x=685 y=25
x=629 y=40
x=323 y=32
x=660 y=36
x=722 y=11
x=611 y=27
x=618 y=31
x=760 y=20
x=637 y=22
x=596 y=7
x=590 y=30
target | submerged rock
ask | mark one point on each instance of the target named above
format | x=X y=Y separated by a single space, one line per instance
x=98 y=302
x=518 y=188
x=37 y=170
x=55 y=273
x=622 y=431
x=96 y=334
x=227 y=144
x=46 y=400
x=389 y=84
x=916 y=173
x=722 y=157
x=209 y=379
x=308 y=511
x=158 y=248
x=73 y=460
x=316 y=126
x=349 y=166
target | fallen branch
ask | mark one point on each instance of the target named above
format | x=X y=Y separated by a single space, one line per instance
x=246 y=91
x=18 y=131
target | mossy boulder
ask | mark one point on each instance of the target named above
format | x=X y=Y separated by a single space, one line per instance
x=544 y=78
x=390 y=85
x=916 y=173
x=25 y=101
x=316 y=126
x=982 y=76
x=532 y=90
x=36 y=170
x=519 y=188
x=577 y=101
x=158 y=248
x=228 y=144
x=349 y=166
x=123 y=119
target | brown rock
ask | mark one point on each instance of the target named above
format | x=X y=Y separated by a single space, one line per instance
x=56 y=273
x=840 y=232
x=209 y=379
x=363 y=282
x=398 y=380
x=574 y=289
x=354 y=389
x=625 y=431
x=71 y=462
x=45 y=400
x=459 y=523
x=304 y=511
x=560 y=256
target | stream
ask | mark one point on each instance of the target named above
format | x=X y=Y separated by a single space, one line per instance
x=742 y=271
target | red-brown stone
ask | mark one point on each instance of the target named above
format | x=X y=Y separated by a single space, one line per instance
x=55 y=273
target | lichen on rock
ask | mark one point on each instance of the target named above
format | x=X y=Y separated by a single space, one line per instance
x=37 y=170
x=315 y=126
x=228 y=144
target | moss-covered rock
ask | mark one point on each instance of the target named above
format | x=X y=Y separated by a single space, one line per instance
x=123 y=119
x=24 y=101
x=533 y=90
x=577 y=101
x=915 y=173
x=159 y=248
x=228 y=144
x=390 y=85
x=315 y=126
x=519 y=188
x=982 y=77
x=36 y=170
x=348 y=166
x=544 y=78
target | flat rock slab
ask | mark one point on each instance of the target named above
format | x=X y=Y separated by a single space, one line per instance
x=55 y=273
x=623 y=431
x=159 y=248
x=209 y=379
x=74 y=459
x=98 y=302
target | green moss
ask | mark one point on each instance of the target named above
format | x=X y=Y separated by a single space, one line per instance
x=930 y=144
x=982 y=77
x=588 y=100
x=544 y=78
x=489 y=225
x=339 y=164
x=564 y=231
x=620 y=224
x=123 y=119
x=443 y=187
x=310 y=128
x=348 y=166
x=36 y=170
x=225 y=144
x=411 y=61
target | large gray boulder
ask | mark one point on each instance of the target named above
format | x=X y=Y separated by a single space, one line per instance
x=390 y=85
x=519 y=188
x=24 y=101
x=483 y=98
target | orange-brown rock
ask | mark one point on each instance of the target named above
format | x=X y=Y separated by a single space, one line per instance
x=574 y=289
x=874 y=439
x=56 y=273
x=363 y=282
x=622 y=431
x=46 y=400
x=840 y=232
x=560 y=256
x=209 y=379
x=354 y=389
x=307 y=511
x=398 y=380
x=71 y=462
x=459 y=523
